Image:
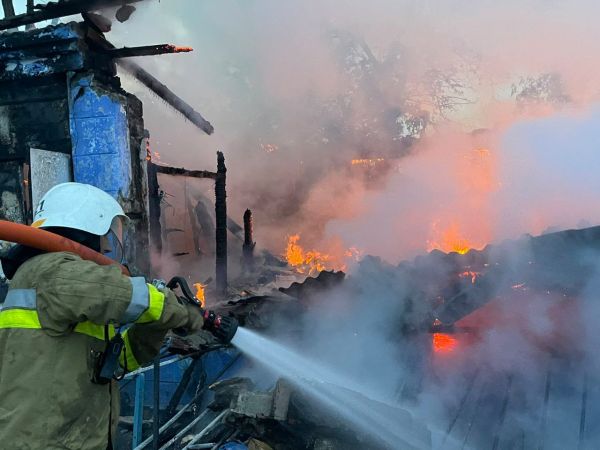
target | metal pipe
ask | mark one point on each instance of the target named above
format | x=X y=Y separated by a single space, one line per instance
x=147 y=368
x=208 y=428
x=181 y=387
x=185 y=430
x=156 y=407
x=138 y=410
x=172 y=420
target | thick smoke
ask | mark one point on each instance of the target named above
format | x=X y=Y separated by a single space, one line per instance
x=296 y=90
x=519 y=371
x=477 y=121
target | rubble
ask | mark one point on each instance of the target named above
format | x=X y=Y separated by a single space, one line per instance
x=286 y=418
x=62 y=106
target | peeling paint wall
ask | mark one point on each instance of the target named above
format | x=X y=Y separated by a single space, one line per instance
x=100 y=136
x=57 y=94
x=107 y=147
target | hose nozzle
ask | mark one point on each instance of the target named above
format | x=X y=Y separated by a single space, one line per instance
x=222 y=327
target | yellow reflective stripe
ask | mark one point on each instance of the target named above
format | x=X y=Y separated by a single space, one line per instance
x=28 y=318
x=127 y=353
x=155 y=309
x=94 y=330
x=19 y=318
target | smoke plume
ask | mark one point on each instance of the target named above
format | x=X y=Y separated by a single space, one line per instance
x=297 y=90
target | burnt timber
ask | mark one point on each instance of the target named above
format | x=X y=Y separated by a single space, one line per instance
x=221 y=225
x=55 y=10
x=167 y=170
x=147 y=50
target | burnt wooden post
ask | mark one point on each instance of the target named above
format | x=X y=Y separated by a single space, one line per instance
x=154 y=208
x=248 y=247
x=221 y=226
x=8 y=7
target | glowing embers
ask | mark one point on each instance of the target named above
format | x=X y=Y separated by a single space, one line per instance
x=180 y=49
x=469 y=274
x=269 y=148
x=200 y=293
x=443 y=343
x=367 y=162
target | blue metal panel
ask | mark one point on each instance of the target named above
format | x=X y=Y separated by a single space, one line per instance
x=100 y=136
x=170 y=376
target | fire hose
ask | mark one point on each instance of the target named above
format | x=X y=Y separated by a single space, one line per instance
x=51 y=242
x=223 y=328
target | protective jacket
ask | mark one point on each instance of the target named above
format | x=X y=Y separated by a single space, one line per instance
x=58 y=311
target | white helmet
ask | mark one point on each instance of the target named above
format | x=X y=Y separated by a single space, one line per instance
x=81 y=207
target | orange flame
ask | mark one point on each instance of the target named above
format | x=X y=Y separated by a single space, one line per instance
x=450 y=241
x=444 y=343
x=200 y=293
x=369 y=162
x=303 y=261
x=180 y=49
x=310 y=262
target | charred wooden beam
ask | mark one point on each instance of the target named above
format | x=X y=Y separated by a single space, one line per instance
x=54 y=10
x=168 y=170
x=147 y=50
x=249 y=244
x=154 y=208
x=155 y=86
x=221 y=226
x=167 y=95
x=9 y=9
x=30 y=9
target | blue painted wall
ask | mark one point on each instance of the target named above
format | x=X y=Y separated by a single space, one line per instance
x=100 y=137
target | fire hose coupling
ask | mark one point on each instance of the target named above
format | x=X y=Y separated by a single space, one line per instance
x=222 y=327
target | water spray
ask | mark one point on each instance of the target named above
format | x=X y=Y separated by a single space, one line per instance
x=338 y=393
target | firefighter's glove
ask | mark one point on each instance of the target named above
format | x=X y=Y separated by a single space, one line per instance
x=222 y=327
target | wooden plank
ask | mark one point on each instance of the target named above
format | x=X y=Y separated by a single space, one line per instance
x=564 y=409
x=54 y=10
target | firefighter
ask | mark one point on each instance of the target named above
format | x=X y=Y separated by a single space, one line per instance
x=60 y=319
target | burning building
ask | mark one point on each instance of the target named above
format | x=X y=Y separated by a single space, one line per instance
x=469 y=346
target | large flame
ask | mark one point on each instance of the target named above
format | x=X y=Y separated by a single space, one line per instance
x=310 y=262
